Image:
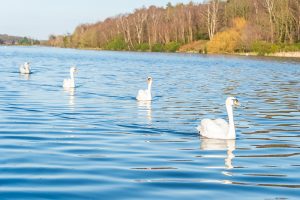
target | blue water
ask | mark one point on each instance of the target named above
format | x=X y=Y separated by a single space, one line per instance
x=98 y=142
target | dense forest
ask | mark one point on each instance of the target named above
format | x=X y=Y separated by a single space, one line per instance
x=15 y=40
x=214 y=26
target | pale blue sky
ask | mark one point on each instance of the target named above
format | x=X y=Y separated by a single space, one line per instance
x=40 y=18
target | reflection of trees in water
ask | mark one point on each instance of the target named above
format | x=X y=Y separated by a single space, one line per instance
x=284 y=95
x=230 y=87
x=291 y=91
x=215 y=144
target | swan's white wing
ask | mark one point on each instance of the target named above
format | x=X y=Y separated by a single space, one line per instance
x=143 y=95
x=141 y=92
x=22 y=70
x=222 y=123
x=66 y=83
x=210 y=129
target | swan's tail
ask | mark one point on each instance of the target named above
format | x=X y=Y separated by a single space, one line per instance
x=66 y=83
x=198 y=128
x=202 y=127
x=21 y=69
x=140 y=95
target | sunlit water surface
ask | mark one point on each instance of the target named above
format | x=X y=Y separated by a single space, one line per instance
x=98 y=142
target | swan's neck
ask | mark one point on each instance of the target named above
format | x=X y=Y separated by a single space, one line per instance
x=231 y=130
x=72 y=76
x=149 y=87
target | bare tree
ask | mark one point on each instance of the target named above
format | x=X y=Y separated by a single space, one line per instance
x=125 y=26
x=270 y=8
x=212 y=17
x=185 y=23
x=295 y=14
x=139 y=22
x=152 y=25
x=190 y=22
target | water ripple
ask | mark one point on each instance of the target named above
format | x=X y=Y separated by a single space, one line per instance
x=97 y=142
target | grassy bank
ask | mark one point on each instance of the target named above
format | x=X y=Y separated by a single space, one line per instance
x=257 y=48
x=199 y=47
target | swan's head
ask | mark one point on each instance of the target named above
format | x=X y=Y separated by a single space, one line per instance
x=73 y=70
x=232 y=101
x=149 y=80
x=27 y=65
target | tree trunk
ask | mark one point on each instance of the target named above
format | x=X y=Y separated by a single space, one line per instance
x=270 y=7
x=212 y=17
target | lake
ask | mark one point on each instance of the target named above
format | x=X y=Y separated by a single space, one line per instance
x=98 y=142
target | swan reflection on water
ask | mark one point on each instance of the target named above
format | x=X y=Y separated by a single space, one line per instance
x=24 y=76
x=216 y=144
x=144 y=109
x=71 y=93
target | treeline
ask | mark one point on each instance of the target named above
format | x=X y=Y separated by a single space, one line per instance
x=263 y=26
x=15 y=40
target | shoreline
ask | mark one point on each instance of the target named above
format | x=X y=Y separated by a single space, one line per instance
x=295 y=54
x=290 y=54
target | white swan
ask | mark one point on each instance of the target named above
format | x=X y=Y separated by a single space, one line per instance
x=219 y=128
x=25 y=68
x=70 y=83
x=145 y=95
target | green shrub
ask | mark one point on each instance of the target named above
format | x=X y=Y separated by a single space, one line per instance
x=290 y=47
x=262 y=48
x=202 y=36
x=157 y=48
x=142 y=47
x=116 y=44
x=171 y=47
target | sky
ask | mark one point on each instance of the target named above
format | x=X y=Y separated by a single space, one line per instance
x=40 y=18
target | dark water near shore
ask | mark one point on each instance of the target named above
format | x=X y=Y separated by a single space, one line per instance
x=98 y=142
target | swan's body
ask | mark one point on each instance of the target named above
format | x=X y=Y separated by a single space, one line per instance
x=70 y=83
x=25 y=68
x=145 y=95
x=219 y=128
